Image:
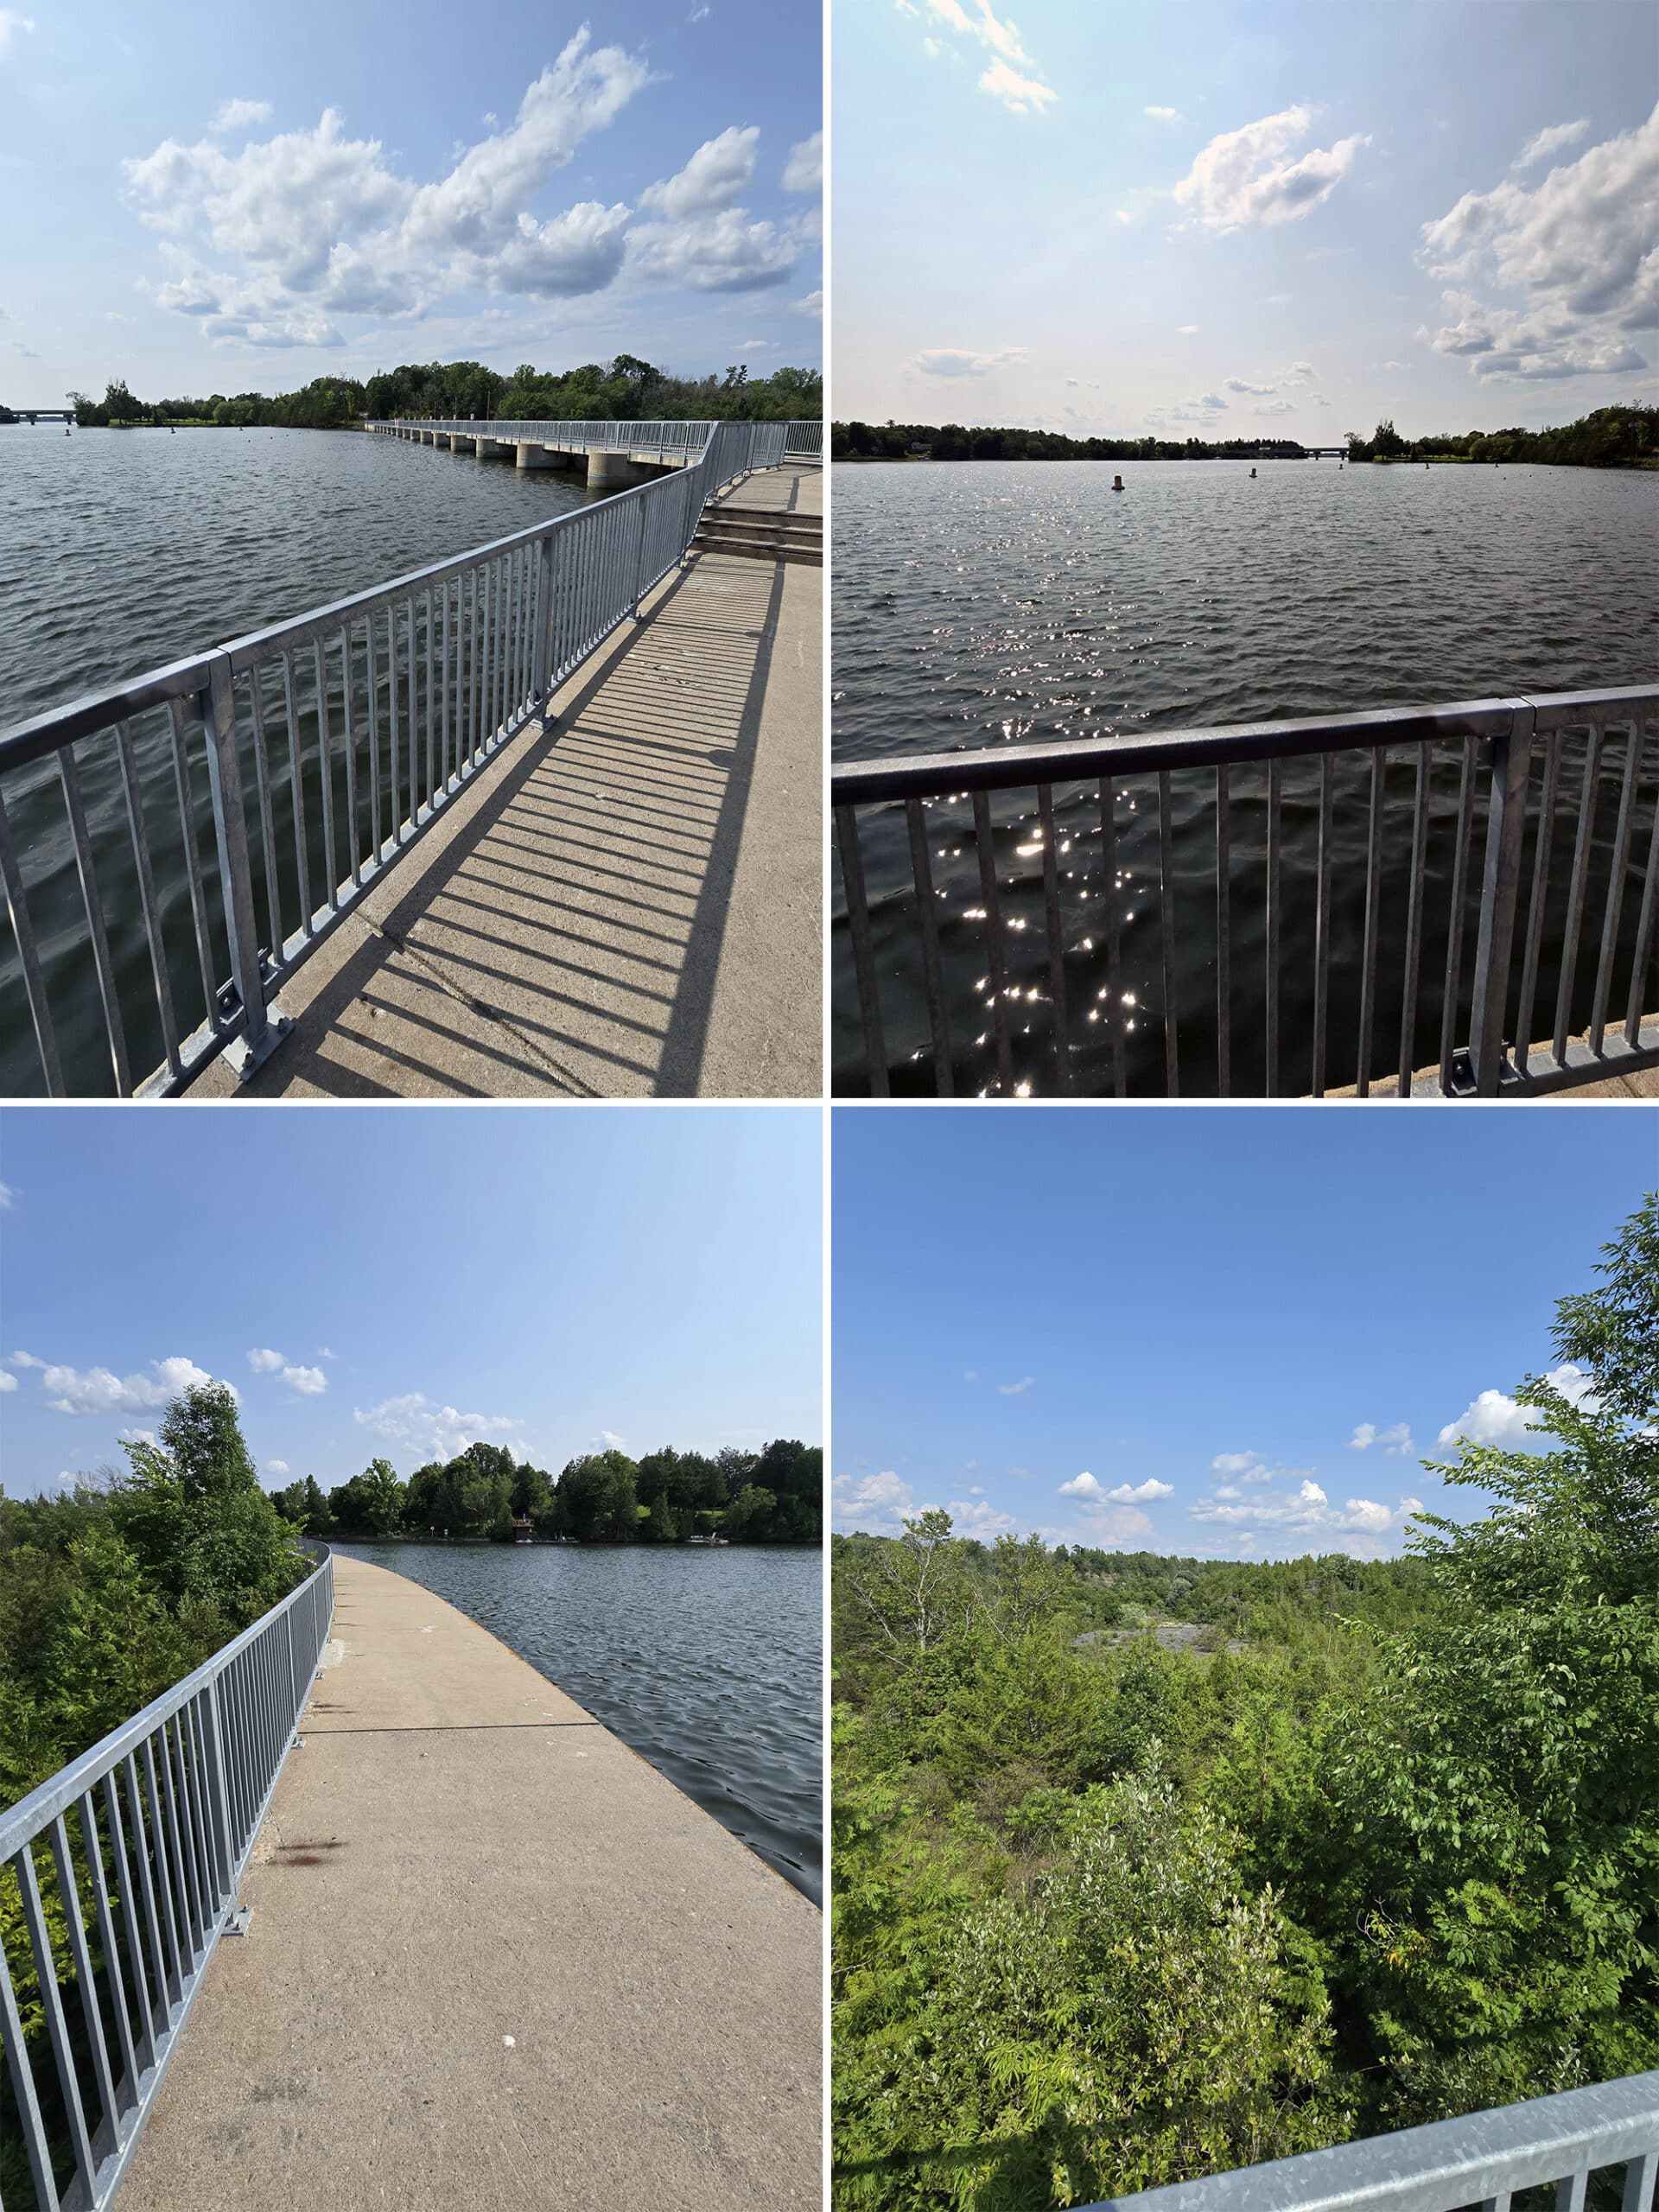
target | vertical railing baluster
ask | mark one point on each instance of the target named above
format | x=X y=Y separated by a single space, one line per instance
x=858 y=923
x=986 y=848
x=39 y=1943
x=1223 y=931
x=1581 y=847
x=1114 y=937
x=235 y=867
x=1322 y=925
x=1506 y=819
x=1166 y=909
x=146 y=895
x=931 y=969
x=267 y=818
x=118 y=2000
x=296 y=785
x=74 y=1923
x=115 y=1034
x=183 y=785
x=23 y=931
x=1415 y=925
x=35 y=2141
x=326 y=775
x=1056 y=943
x=1536 y=912
x=1274 y=803
x=1621 y=860
x=1459 y=901
x=1373 y=921
x=346 y=681
x=1642 y=952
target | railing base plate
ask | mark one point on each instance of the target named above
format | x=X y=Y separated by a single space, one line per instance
x=243 y=1060
x=236 y=1920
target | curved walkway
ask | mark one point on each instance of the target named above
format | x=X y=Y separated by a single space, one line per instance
x=495 y=1961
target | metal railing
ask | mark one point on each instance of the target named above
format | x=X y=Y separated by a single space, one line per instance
x=1483 y=2161
x=801 y=441
x=329 y=743
x=144 y=1839
x=1280 y=908
x=804 y=442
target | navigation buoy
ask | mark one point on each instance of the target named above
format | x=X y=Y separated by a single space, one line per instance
x=1117 y=483
x=1252 y=471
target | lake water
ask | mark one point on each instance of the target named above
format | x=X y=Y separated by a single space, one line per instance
x=990 y=603
x=708 y=1662
x=121 y=550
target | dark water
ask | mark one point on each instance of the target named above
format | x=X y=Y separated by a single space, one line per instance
x=122 y=550
x=708 y=1662
x=983 y=604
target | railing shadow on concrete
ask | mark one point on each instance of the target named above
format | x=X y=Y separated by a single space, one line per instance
x=328 y=744
x=1218 y=911
x=1478 y=2164
x=122 y=1873
x=567 y=932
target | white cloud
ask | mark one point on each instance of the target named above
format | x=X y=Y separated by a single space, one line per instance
x=1237 y=384
x=1306 y=1512
x=1578 y=248
x=137 y=1436
x=1243 y=176
x=803 y=170
x=1492 y=1418
x=237 y=115
x=276 y=1467
x=5 y=1197
x=97 y=1391
x=8 y=1381
x=1163 y=114
x=1142 y=1492
x=310 y=1382
x=977 y=1517
x=1245 y=1464
x=436 y=1432
x=811 y=303
x=1549 y=141
x=1301 y=373
x=1019 y=95
x=955 y=361
x=1395 y=1441
x=1014 y=1389
x=265 y=1363
x=11 y=23
x=1083 y=1485
x=1023 y=95
x=323 y=1352
x=717 y=173
x=1186 y=330
x=876 y=1504
x=316 y=224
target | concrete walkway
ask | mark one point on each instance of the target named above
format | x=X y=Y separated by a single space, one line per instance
x=496 y=1961
x=626 y=904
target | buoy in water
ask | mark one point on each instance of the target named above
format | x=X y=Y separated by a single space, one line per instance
x=1117 y=483
x=1252 y=471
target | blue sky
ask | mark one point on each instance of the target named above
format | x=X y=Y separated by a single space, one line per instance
x=1221 y=1333
x=209 y=199
x=1212 y=218
x=401 y=1281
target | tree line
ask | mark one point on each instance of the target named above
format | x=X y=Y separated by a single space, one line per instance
x=624 y=388
x=774 y=1496
x=1146 y=1868
x=1611 y=437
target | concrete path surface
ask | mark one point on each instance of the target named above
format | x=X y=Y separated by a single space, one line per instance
x=496 y=1961
x=626 y=904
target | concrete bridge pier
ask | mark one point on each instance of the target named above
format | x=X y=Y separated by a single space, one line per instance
x=534 y=456
x=456 y=441
x=608 y=470
x=496 y=449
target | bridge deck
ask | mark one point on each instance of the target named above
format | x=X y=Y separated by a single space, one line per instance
x=459 y=1855
x=627 y=905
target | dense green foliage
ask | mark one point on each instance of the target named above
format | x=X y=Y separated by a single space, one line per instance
x=1613 y=437
x=1148 y=1868
x=111 y=1594
x=622 y=390
x=771 y=1496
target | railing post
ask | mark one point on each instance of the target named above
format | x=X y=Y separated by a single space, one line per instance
x=221 y=1797
x=264 y=1025
x=292 y=1673
x=638 y=558
x=544 y=684
x=1505 y=827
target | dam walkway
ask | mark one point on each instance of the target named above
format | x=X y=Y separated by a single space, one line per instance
x=494 y=1960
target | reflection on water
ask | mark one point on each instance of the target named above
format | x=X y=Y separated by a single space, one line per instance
x=984 y=604
x=708 y=1662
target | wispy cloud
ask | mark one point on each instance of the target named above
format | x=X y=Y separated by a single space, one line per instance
x=1012 y=1389
x=1395 y=1443
x=1246 y=175
x=956 y=361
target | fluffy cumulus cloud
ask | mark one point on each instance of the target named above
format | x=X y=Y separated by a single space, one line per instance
x=434 y=1432
x=1549 y=140
x=1083 y=1485
x=1237 y=384
x=272 y=240
x=1576 y=251
x=276 y=1467
x=1360 y=1524
x=8 y=1380
x=1393 y=1443
x=877 y=1503
x=100 y=1391
x=1248 y=175
x=1243 y=1466
x=13 y=27
x=240 y=115
x=1010 y=75
x=1492 y=1418
x=803 y=170
x=310 y=1382
x=956 y=361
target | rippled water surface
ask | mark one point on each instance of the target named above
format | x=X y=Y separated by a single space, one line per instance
x=708 y=1662
x=121 y=550
x=980 y=604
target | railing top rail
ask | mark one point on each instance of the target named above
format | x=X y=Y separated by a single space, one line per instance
x=1448 y=2163
x=95 y=710
x=22 y=1821
x=854 y=782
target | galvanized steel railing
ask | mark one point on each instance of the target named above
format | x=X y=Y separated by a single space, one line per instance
x=804 y=442
x=329 y=743
x=144 y=1839
x=800 y=441
x=1483 y=2161
x=1512 y=915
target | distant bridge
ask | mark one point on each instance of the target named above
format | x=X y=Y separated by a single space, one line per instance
x=614 y=453
x=1325 y=453
x=37 y=414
